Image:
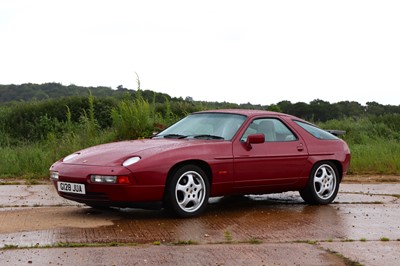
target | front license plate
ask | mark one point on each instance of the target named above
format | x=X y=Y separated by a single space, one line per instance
x=71 y=187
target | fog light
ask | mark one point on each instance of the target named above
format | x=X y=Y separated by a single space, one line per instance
x=54 y=175
x=103 y=179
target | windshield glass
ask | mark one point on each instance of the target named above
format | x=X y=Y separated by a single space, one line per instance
x=205 y=126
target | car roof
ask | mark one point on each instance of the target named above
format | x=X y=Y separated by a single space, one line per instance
x=246 y=112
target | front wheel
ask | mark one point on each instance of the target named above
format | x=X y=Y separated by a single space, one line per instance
x=323 y=184
x=188 y=191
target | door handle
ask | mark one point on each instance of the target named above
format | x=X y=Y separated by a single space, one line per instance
x=300 y=147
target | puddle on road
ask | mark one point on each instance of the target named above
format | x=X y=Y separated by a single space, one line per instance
x=44 y=218
x=272 y=218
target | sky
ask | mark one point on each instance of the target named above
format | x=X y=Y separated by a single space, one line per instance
x=258 y=52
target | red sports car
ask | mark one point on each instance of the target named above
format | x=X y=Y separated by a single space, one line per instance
x=208 y=154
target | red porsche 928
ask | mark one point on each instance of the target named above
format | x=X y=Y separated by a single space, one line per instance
x=208 y=154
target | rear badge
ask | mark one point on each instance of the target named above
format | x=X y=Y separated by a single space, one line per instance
x=84 y=161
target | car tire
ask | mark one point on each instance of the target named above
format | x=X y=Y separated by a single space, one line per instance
x=323 y=184
x=188 y=191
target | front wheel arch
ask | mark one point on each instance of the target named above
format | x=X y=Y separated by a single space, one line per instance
x=176 y=173
x=202 y=164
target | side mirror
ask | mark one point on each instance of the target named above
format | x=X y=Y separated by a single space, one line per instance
x=254 y=139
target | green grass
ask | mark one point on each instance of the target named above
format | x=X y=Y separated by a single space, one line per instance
x=79 y=245
x=185 y=242
x=24 y=161
x=7 y=246
x=374 y=145
x=374 y=142
x=346 y=260
x=33 y=160
x=228 y=236
x=254 y=240
x=377 y=157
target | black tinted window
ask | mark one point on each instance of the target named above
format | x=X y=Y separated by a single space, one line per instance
x=315 y=131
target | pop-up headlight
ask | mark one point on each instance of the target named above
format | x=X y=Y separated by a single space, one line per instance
x=69 y=157
x=131 y=161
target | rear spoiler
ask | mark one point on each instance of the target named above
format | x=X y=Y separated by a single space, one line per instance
x=336 y=133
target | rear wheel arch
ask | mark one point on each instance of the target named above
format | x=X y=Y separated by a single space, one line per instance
x=336 y=163
x=323 y=182
x=339 y=169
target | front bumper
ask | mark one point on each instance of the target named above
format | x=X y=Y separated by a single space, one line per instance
x=101 y=194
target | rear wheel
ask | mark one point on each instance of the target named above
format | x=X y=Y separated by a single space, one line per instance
x=188 y=191
x=323 y=184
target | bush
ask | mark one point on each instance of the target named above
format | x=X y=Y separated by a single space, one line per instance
x=35 y=134
x=132 y=119
x=32 y=121
x=374 y=143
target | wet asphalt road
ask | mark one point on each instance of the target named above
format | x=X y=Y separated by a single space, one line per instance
x=363 y=225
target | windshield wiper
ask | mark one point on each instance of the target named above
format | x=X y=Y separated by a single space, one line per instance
x=206 y=136
x=179 y=136
x=172 y=136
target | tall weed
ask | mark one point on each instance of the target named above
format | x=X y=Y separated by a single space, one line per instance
x=39 y=133
x=374 y=145
x=376 y=157
x=132 y=119
x=28 y=160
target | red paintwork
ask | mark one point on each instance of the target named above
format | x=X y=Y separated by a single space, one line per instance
x=231 y=165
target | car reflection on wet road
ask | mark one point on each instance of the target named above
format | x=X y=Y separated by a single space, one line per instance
x=361 y=214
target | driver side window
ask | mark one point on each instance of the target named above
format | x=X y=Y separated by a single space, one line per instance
x=273 y=129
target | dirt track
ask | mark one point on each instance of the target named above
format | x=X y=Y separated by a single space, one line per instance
x=252 y=230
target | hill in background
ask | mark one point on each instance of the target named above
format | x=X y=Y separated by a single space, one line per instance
x=316 y=110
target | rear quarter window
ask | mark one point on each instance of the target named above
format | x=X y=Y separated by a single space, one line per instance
x=316 y=132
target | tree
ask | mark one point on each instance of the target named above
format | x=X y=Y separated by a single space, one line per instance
x=285 y=106
x=302 y=110
x=350 y=109
x=274 y=108
x=374 y=108
x=322 y=111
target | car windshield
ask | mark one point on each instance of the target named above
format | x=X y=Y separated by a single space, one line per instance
x=205 y=126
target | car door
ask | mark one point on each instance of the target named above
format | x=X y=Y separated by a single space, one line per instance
x=278 y=161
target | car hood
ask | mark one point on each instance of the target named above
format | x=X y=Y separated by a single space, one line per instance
x=114 y=154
